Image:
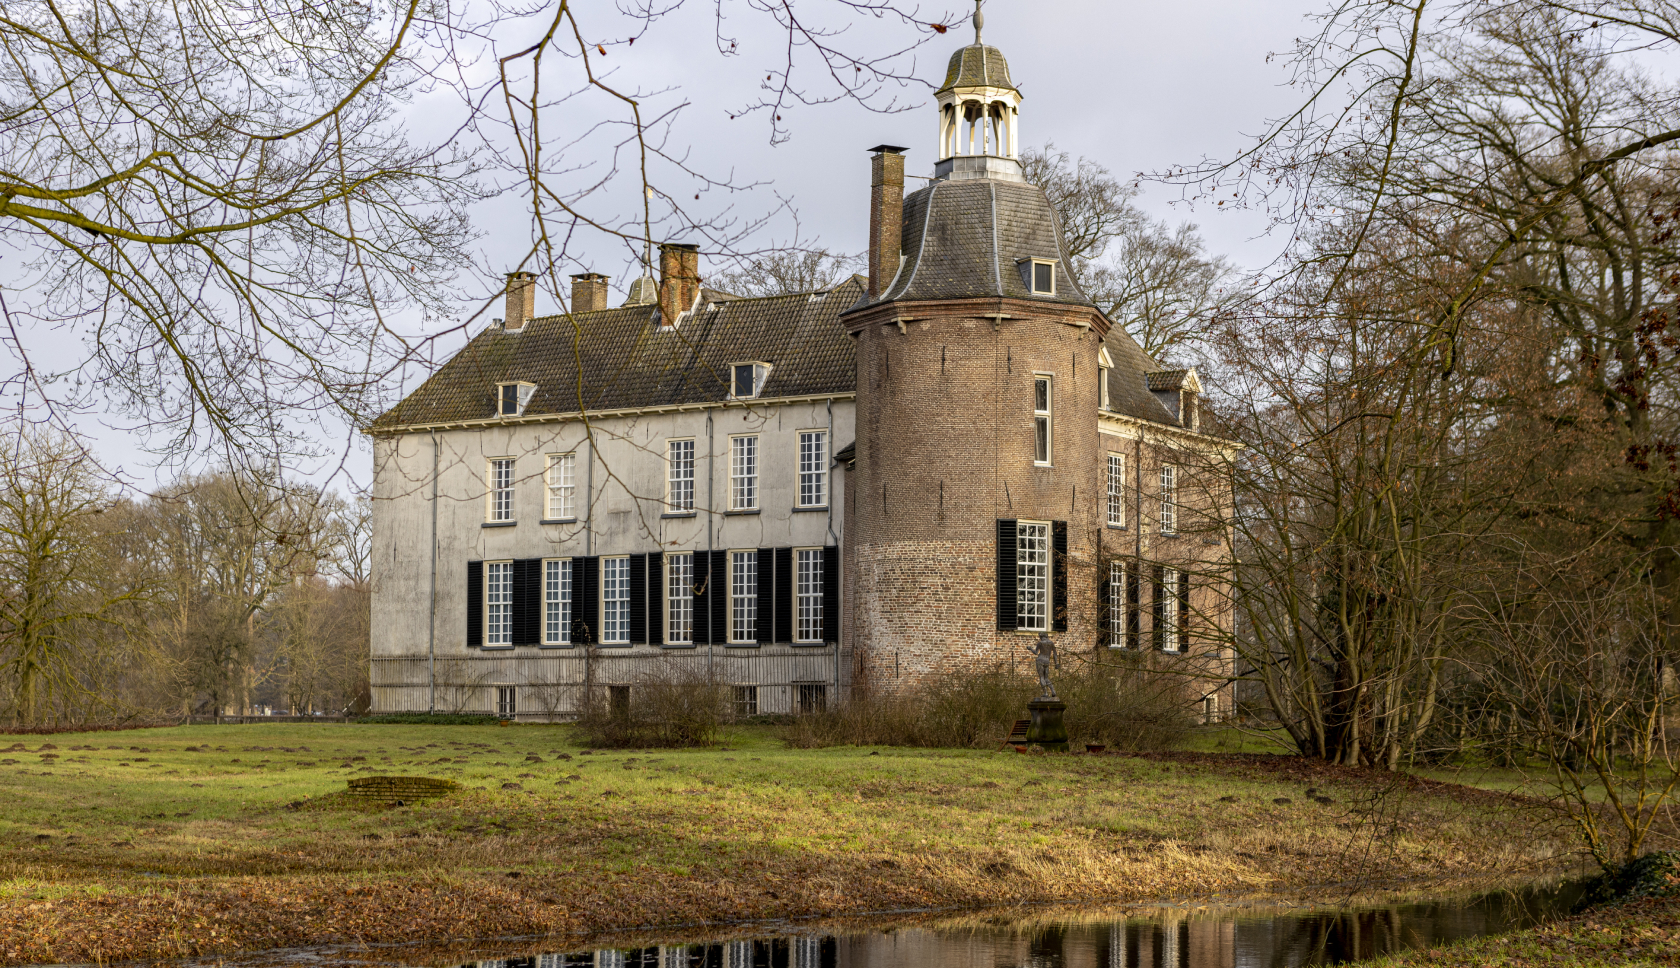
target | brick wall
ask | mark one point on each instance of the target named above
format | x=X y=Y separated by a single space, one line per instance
x=944 y=450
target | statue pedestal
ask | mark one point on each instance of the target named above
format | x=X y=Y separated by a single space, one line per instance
x=1047 y=730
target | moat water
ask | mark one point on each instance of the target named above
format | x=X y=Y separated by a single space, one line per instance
x=1191 y=935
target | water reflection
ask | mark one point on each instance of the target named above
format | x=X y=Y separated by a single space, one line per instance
x=1163 y=938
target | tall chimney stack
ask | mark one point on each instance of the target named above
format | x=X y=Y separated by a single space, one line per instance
x=589 y=292
x=886 y=215
x=521 y=300
x=679 y=280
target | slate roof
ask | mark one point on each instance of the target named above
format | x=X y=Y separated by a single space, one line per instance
x=1129 y=392
x=977 y=65
x=967 y=238
x=619 y=358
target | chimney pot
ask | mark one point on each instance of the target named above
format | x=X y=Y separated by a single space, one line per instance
x=679 y=280
x=589 y=292
x=521 y=300
x=886 y=215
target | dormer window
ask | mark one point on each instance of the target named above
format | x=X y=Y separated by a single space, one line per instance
x=1038 y=275
x=747 y=380
x=511 y=398
x=1105 y=363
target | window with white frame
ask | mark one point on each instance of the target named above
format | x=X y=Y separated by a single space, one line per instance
x=1117 y=490
x=808 y=618
x=746 y=380
x=679 y=461
x=1043 y=277
x=743 y=596
x=1042 y=398
x=679 y=599
x=813 y=468
x=615 y=600
x=1102 y=388
x=1168 y=610
x=561 y=479
x=1169 y=499
x=1117 y=604
x=557 y=601
x=501 y=489
x=743 y=473
x=1032 y=576
x=498 y=603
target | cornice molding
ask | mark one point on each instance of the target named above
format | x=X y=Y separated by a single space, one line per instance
x=1127 y=426
x=576 y=416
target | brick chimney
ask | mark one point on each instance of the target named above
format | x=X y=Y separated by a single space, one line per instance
x=521 y=300
x=886 y=215
x=679 y=280
x=589 y=292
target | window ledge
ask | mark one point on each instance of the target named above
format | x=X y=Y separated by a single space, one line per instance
x=744 y=511
x=810 y=645
x=558 y=521
x=1039 y=463
x=497 y=648
x=677 y=645
x=810 y=507
x=614 y=645
x=499 y=524
x=1118 y=527
x=679 y=514
x=742 y=645
x=556 y=645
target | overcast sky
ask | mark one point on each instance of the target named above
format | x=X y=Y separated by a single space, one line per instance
x=1137 y=86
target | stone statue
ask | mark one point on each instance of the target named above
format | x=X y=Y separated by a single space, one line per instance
x=1044 y=655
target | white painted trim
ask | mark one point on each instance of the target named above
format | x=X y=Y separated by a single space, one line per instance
x=1132 y=428
x=578 y=416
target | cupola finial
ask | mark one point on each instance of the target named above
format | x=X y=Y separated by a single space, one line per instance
x=979 y=21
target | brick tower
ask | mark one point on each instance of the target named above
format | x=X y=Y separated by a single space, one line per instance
x=971 y=517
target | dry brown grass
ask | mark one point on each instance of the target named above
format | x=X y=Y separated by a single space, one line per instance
x=192 y=852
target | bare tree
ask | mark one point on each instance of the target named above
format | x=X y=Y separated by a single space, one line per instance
x=236 y=213
x=60 y=577
x=1156 y=280
x=785 y=271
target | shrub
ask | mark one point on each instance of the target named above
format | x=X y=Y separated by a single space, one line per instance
x=1120 y=704
x=669 y=705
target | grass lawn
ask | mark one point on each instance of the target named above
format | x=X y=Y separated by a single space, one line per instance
x=203 y=839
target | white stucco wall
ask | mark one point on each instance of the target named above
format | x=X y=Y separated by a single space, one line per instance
x=621 y=475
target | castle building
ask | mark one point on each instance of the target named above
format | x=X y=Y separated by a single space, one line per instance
x=910 y=474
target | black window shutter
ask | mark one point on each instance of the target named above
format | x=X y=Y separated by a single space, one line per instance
x=638 y=598
x=1184 y=611
x=586 y=600
x=1134 y=616
x=701 y=631
x=765 y=616
x=720 y=597
x=787 y=594
x=656 y=599
x=527 y=601
x=475 y=604
x=831 y=594
x=1058 y=577
x=1006 y=604
x=1158 y=603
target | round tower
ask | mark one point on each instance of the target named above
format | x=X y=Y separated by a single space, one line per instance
x=971 y=518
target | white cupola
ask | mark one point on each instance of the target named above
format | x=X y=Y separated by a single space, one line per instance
x=979 y=108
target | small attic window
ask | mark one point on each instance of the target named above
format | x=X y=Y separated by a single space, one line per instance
x=511 y=398
x=1038 y=275
x=747 y=380
x=1043 y=278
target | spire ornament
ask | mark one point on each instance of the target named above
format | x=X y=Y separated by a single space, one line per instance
x=979 y=21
